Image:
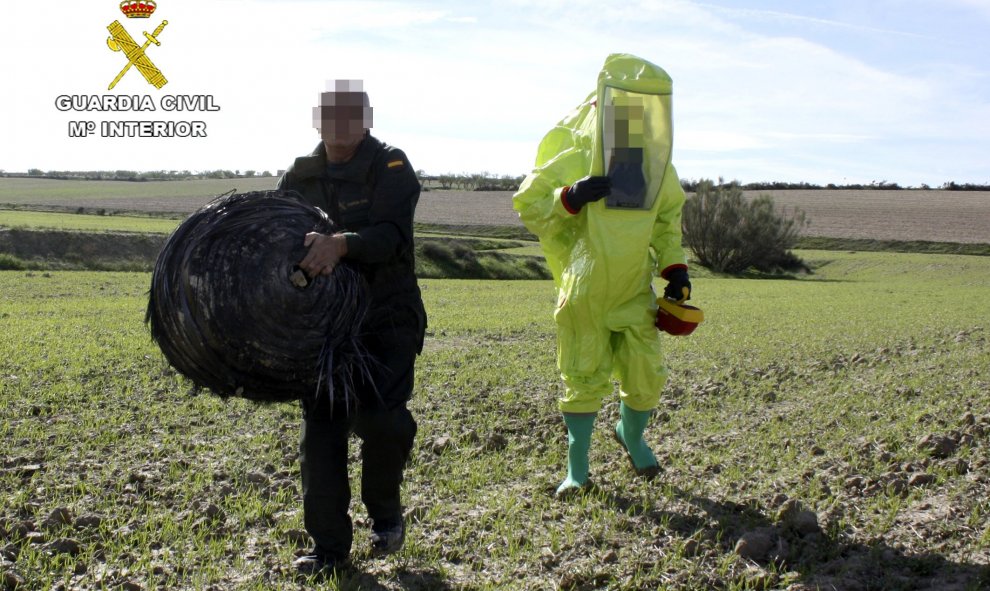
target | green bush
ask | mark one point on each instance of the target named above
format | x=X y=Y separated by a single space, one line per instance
x=472 y=258
x=11 y=263
x=730 y=234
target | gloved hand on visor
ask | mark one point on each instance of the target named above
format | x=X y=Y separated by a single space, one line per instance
x=677 y=283
x=585 y=191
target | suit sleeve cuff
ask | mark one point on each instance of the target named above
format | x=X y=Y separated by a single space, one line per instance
x=671 y=268
x=564 y=192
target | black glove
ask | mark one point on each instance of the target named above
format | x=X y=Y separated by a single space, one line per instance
x=677 y=281
x=586 y=190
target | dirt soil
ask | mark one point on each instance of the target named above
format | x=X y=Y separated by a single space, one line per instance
x=930 y=215
x=937 y=216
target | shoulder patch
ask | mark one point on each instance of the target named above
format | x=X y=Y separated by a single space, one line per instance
x=393 y=164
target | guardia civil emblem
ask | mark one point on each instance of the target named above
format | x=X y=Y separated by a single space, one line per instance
x=120 y=40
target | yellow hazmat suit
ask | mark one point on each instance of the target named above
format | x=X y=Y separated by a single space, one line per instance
x=604 y=256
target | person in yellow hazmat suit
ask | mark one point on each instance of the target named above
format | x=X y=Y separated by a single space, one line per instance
x=605 y=203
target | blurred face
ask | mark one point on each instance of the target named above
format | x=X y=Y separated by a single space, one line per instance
x=342 y=120
x=625 y=123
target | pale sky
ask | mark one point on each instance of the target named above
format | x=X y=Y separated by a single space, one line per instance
x=838 y=91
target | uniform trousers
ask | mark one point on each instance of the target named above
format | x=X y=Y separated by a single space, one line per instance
x=386 y=429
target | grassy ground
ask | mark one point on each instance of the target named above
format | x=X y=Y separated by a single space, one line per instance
x=70 y=192
x=918 y=246
x=437 y=256
x=40 y=220
x=829 y=432
x=76 y=222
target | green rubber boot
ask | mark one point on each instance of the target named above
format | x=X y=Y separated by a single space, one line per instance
x=629 y=434
x=579 y=428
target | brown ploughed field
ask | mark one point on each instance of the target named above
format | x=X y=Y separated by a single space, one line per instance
x=930 y=215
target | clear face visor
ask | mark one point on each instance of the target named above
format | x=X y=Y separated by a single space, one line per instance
x=636 y=135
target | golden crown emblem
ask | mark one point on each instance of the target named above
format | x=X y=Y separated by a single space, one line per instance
x=138 y=8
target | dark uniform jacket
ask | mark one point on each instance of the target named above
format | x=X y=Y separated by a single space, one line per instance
x=372 y=197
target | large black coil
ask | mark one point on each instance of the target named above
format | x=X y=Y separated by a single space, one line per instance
x=231 y=310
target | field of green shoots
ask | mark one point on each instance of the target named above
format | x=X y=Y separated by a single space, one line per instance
x=40 y=220
x=829 y=432
x=20 y=191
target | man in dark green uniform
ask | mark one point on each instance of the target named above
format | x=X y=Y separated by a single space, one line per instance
x=370 y=190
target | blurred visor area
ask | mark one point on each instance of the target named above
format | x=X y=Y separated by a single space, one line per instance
x=635 y=129
x=636 y=144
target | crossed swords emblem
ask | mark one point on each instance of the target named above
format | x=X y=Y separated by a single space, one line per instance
x=120 y=40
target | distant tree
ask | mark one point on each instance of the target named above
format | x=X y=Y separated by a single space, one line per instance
x=35 y=172
x=954 y=186
x=446 y=180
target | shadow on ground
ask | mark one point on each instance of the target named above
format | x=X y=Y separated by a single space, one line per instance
x=793 y=542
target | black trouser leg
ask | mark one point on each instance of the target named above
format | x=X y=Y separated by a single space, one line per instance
x=387 y=439
x=386 y=428
x=385 y=425
x=326 y=490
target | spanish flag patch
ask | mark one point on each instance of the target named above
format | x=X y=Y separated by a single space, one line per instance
x=396 y=164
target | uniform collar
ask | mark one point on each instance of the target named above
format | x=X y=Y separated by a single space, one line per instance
x=355 y=169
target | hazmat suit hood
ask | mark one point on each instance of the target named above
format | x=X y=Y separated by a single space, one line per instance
x=623 y=129
x=634 y=130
